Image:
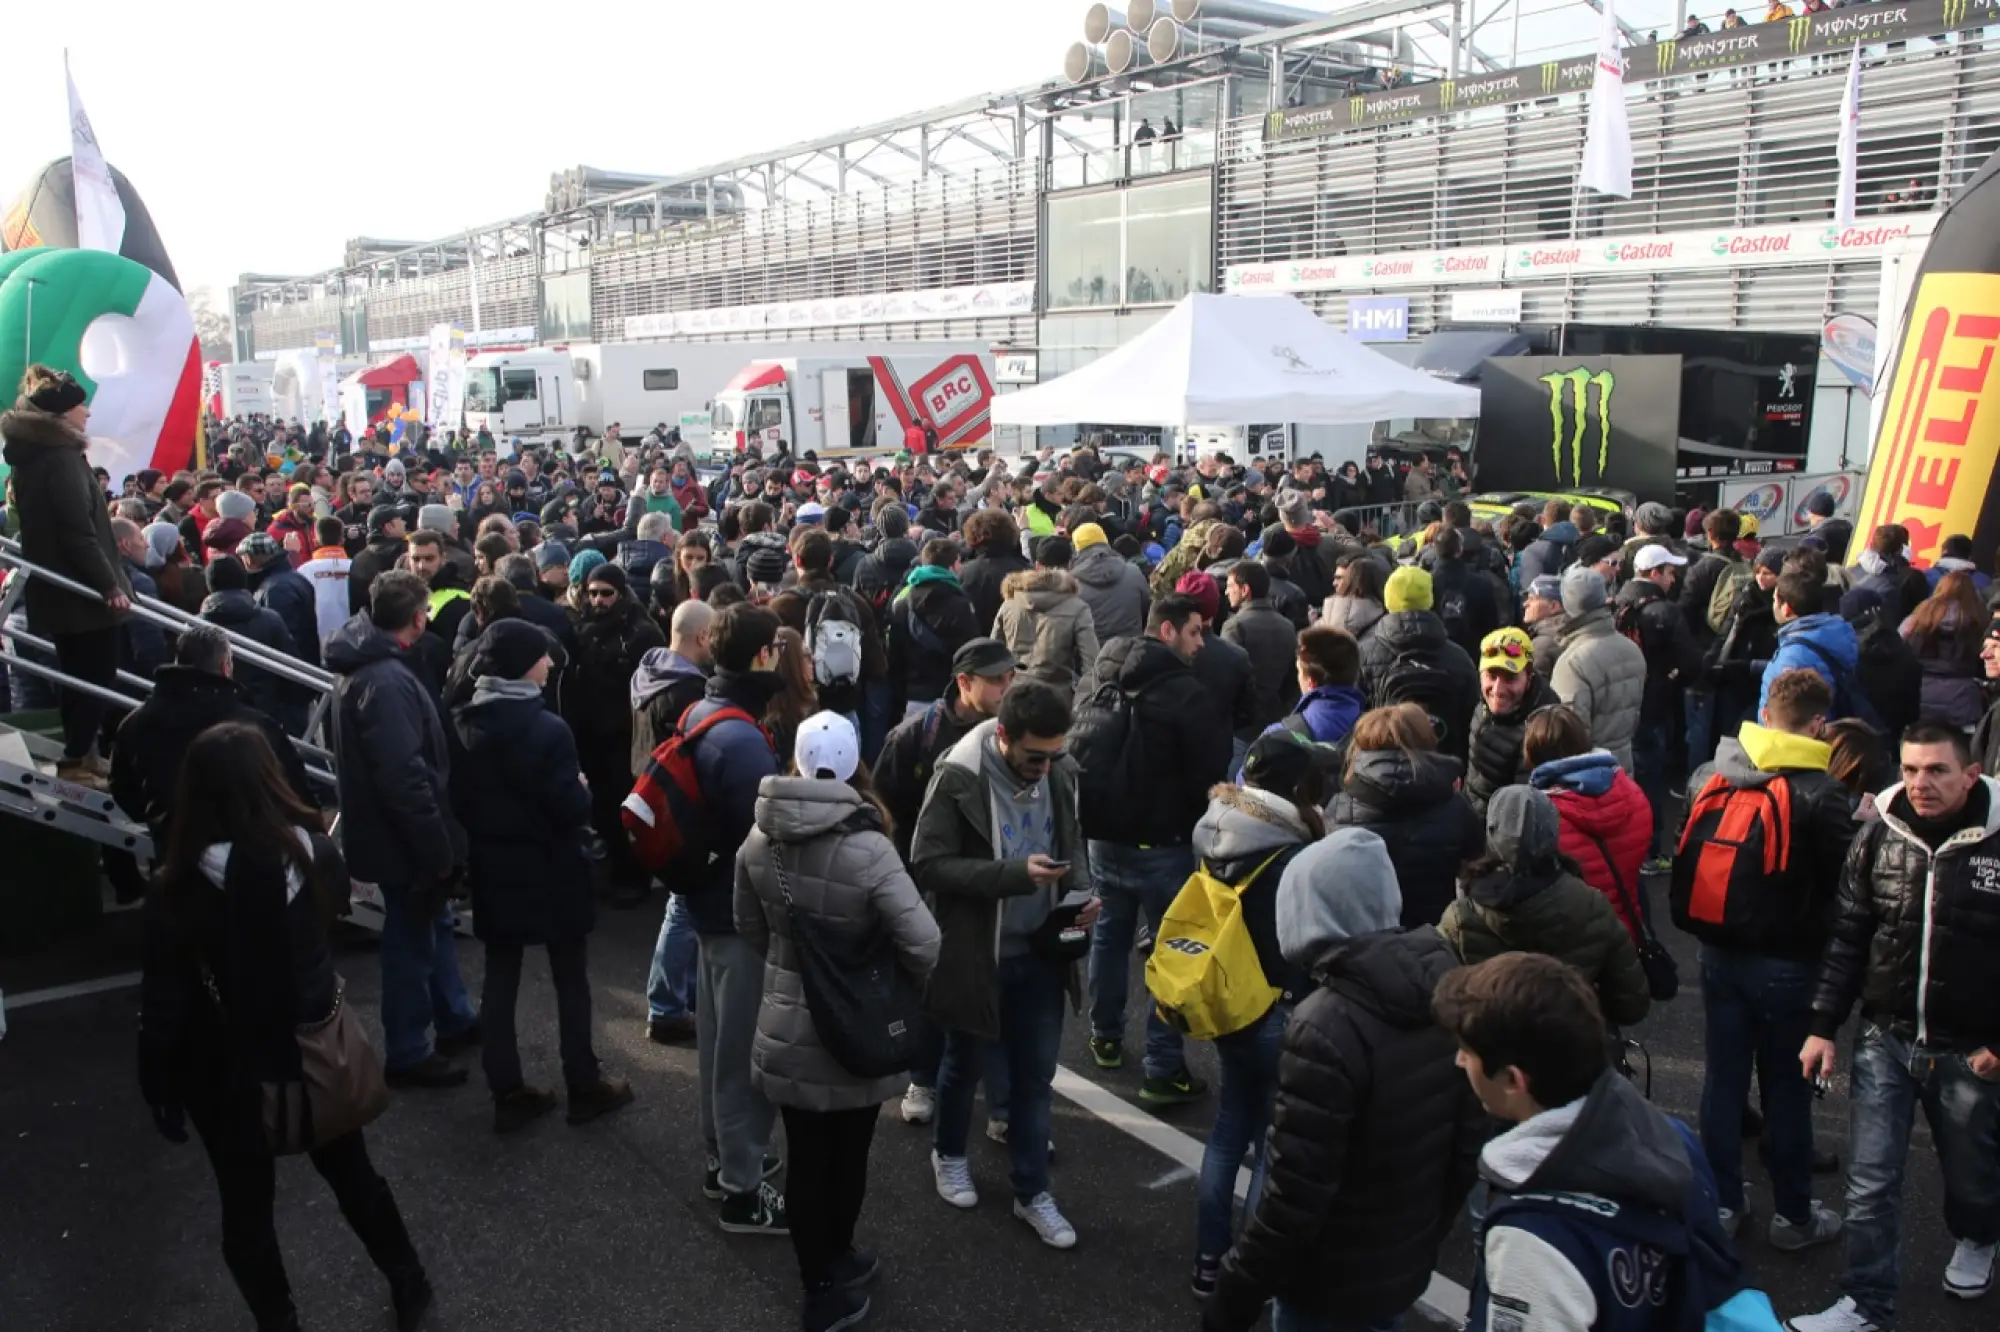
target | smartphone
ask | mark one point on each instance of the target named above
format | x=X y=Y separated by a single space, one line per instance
x=1060 y=864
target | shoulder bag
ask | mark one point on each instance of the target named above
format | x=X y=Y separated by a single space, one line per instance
x=864 y=1005
x=1663 y=974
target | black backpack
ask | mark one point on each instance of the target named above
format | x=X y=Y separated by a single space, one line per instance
x=1414 y=678
x=1109 y=746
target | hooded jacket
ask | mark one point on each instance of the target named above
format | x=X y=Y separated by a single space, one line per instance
x=730 y=762
x=1643 y=1187
x=1273 y=644
x=1824 y=644
x=65 y=523
x=1607 y=824
x=238 y=612
x=1953 y=674
x=1243 y=828
x=1329 y=712
x=1495 y=759
x=153 y=740
x=930 y=619
x=1114 y=589
x=1916 y=932
x=1550 y=553
x=1183 y=761
x=880 y=574
x=515 y=790
x=1048 y=627
x=846 y=878
x=985 y=575
x=951 y=858
x=1375 y=1132
x=664 y=686
x=1357 y=615
x=392 y=760
x=1601 y=676
x=1786 y=913
x=1420 y=636
x=596 y=698
x=1409 y=801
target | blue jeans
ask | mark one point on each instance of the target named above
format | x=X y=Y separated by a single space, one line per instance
x=992 y=1069
x=1652 y=751
x=1248 y=1089
x=878 y=716
x=1031 y=1017
x=1758 y=1012
x=421 y=986
x=670 y=982
x=1891 y=1079
x=1700 y=705
x=1132 y=881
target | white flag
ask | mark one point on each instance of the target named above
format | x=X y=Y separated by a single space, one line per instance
x=1607 y=143
x=100 y=217
x=1850 y=142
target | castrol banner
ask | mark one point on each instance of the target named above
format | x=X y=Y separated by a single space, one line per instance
x=1932 y=468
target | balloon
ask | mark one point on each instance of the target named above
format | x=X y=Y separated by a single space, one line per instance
x=44 y=213
x=124 y=332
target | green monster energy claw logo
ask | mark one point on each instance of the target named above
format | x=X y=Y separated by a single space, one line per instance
x=1665 y=54
x=1579 y=382
x=1274 y=124
x=1357 y=109
x=1798 y=32
x=1954 y=11
x=1551 y=72
x=1447 y=94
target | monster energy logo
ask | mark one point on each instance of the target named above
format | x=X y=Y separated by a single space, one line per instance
x=1447 y=94
x=1274 y=124
x=1357 y=109
x=1798 y=32
x=1954 y=11
x=1664 y=55
x=1578 y=382
x=1551 y=70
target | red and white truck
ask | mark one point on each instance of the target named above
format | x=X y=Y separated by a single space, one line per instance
x=848 y=405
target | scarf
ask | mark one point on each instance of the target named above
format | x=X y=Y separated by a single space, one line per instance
x=491 y=688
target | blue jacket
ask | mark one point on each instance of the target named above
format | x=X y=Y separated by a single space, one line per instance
x=729 y=763
x=143 y=643
x=1547 y=555
x=1330 y=712
x=1822 y=643
x=280 y=589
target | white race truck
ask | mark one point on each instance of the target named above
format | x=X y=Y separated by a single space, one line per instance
x=835 y=405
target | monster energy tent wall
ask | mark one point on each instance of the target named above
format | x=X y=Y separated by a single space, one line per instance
x=1565 y=422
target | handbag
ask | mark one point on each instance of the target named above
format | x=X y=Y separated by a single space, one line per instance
x=864 y=1006
x=341 y=1089
x=1663 y=974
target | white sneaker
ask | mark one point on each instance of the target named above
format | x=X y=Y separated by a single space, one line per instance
x=1048 y=1223
x=1970 y=1272
x=1844 y=1316
x=996 y=1129
x=919 y=1104
x=1731 y=1220
x=954 y=1180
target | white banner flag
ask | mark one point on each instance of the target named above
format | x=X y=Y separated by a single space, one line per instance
x=100 y=217
x=1850 y=142
x=1607 y=143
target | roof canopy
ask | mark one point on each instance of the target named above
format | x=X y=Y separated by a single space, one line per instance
x=403 y=370
x=1237 y=360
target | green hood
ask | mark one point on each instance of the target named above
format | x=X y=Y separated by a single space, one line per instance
x=930 y=573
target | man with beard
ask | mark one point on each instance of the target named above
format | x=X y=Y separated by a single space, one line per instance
x=613 y=635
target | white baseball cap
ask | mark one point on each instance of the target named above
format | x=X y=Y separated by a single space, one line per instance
x=827 y=747
x=1652 y=557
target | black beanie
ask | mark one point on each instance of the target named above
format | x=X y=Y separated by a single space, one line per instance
x=58 y=397
x=612 y=574
x=510 y=648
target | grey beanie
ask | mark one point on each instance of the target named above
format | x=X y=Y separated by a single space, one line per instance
x=1521 y=825
x=162 y=540
x=1295 y=509
x=1340 y=887
x=1582 y=590
x=437 y=518
x=235 y=504
x=1654 y=519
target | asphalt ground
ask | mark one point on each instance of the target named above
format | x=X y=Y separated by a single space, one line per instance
x=106 y=1226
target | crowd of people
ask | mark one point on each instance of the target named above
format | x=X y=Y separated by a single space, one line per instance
x=991 y=721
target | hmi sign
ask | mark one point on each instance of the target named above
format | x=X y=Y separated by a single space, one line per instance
x=1379 y=318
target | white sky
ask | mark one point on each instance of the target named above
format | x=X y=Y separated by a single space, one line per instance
x=262 y=136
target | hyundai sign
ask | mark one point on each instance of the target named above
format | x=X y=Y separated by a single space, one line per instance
x=1379 y=318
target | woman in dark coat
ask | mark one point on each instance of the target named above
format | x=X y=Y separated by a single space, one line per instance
x=236 y=958
x=516 y=787
x=1398 y=786
x=994 y=552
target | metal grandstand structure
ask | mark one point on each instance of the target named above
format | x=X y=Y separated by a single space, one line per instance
x=963 y=195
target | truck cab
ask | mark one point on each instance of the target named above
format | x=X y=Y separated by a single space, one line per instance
x=530 y=394
x=755 y=406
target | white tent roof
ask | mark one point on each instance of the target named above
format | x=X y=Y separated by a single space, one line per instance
x=1235 y=360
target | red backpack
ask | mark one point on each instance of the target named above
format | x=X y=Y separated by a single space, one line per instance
x=666 y=812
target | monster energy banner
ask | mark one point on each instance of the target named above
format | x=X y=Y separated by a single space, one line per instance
x=1556 y=423
x=1831 y=31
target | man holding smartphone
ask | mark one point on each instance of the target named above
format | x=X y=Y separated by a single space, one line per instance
x=1000 y=852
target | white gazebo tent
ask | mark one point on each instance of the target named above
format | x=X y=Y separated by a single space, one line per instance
x=1237 y=360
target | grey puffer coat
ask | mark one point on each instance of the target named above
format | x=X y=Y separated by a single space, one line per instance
x=1601 y=676
x=845 y=874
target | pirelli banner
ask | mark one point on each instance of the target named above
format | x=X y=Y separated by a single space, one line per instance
x=1831 y=31
x=1933 y=465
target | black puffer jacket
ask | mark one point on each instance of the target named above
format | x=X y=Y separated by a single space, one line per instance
x=238 y=612
x=1368 y=1166
x=984 y=570
x=1409 y=801
x=1495 y=759
x=1420 y=636
x=1182 y=761
x=1916 y=936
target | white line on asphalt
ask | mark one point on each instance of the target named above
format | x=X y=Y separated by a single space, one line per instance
x=103 y=985
x=1445 y=1297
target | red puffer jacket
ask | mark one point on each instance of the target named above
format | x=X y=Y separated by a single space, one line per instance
x=1602 y=811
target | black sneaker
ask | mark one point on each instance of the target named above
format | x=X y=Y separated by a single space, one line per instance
x=411 y=1295
x=1205 y=1272
x=459 y=1042
x=711 y=1176
x=759 y=1213
x=1107 y=1051
x=670 y=1031
x=596 y=1099
x=434 y=1073
x=855 y=1269
x=515 y=1110
x=830 y=1308
x=1178 y=1088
